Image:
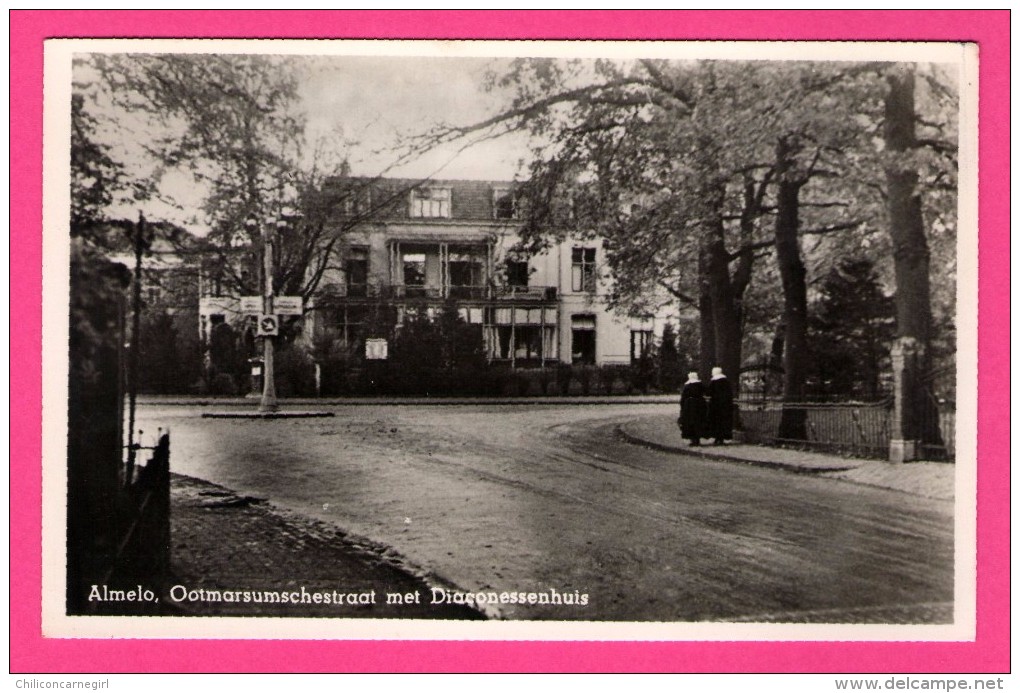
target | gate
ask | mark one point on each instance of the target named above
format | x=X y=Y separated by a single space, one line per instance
x=938 y=415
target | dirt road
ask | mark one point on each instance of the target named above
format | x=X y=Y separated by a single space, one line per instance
x=546 y=500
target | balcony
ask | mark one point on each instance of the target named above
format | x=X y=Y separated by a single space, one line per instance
x=400 y=292
x=525 y=293
x=469 y=293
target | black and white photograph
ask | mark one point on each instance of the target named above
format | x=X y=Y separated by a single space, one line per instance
x=439 y=340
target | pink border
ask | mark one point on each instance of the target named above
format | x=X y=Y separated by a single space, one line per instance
x=31 y=653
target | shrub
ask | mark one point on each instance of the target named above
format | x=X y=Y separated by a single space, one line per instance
x=545 y=377
x=564 y=374
x=223 y=384
x=521 y=383
x=585 y=376
x=294 y=372
x=669 y=364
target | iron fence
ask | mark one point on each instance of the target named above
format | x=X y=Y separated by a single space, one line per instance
x=860 y=429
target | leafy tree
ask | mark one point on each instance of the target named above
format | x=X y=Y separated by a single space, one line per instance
x=158 y=344
x=95 y=176
x=224 y=353
x=906 y=158
x=670 y=361
x=631 y=152
x=437 y=355
x=681 y=168
x=853 y=324
x=235 y=124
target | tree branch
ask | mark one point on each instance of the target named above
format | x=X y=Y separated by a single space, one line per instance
x=673 y=291
x=830 y=229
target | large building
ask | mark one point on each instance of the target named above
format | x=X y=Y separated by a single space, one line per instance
x=416 y=247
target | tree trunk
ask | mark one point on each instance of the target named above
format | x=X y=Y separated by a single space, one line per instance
x=910 y=247
x=728 y=329
x=793 y=425
x=906 y=224
x=716 y=289
x=706 y=318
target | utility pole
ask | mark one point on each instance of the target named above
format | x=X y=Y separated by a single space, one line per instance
x=140 y=242
x=268 y=403
x=268 y=325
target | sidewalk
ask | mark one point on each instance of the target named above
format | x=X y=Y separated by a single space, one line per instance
x=227 y=543
x=928 y=479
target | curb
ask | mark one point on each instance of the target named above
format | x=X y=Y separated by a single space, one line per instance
x=266 y=415
x=797 y=469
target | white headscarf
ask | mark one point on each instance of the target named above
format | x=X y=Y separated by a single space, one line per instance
x=717 y=373
x=692 y=377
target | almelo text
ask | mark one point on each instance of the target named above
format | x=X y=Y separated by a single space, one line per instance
x=436 y=595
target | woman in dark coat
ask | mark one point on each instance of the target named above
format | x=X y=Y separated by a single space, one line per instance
x=693 y=410
x=720 y=407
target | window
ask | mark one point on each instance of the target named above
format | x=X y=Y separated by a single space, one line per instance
x=504 y=206
x=500 y=347
x=582 y=276
x=640 y=345
x=583 y=339
x=528 y=343
x=430 y=203
x=357 y=201
x=356 y=271
x=351 y=325
x=211 y=280
x=414 y=273
x=525 y=336
x=465 y=268
x=516 y=273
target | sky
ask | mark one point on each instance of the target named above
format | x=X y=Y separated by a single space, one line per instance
x=366 y=102
x=376 y=100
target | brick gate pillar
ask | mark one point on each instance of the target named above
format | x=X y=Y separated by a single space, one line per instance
x=904 y=438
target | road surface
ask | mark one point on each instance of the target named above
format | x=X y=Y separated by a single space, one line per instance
x=548 y=500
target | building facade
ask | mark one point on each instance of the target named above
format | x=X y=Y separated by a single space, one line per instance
x=414 y=248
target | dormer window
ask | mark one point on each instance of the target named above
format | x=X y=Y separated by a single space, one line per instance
x=504 y=206
x=357 y=201
x=430 y=203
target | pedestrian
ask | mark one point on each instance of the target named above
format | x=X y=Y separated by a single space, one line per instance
x=693 y=410
x=720 y=407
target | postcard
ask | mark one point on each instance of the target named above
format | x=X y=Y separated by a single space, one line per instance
x=515 y=343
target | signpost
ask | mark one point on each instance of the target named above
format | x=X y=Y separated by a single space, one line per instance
x=288 y=305
x=268 y=322
x=268 y=326
x=251 y=305
x=267 y=310
x=376 y=349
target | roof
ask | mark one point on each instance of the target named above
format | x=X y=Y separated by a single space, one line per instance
x=390 y=198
